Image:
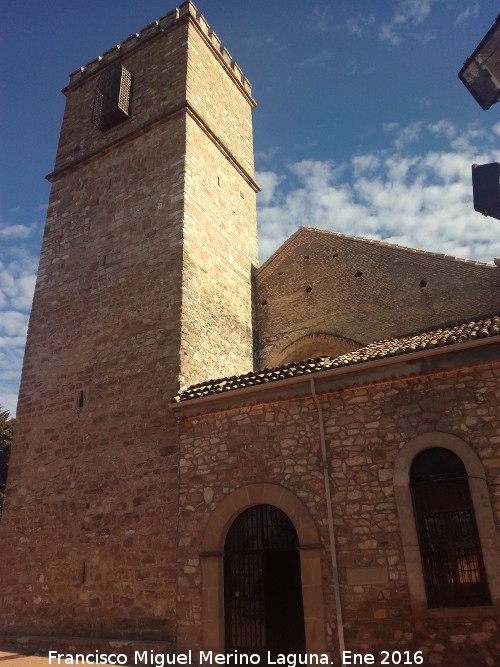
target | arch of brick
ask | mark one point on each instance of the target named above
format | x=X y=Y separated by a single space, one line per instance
x=313 y=345
x=212 y=562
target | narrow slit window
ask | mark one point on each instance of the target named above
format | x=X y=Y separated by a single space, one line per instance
x=80 y=401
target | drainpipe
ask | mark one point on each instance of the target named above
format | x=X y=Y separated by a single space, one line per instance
x=331 y=530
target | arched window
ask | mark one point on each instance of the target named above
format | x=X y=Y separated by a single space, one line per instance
x=448 y=538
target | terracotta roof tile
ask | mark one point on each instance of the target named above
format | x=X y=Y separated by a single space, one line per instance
x=460 y=333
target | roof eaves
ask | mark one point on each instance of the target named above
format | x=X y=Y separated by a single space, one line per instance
x=377 y=369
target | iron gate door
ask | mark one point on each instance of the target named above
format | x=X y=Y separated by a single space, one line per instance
x=262 y=584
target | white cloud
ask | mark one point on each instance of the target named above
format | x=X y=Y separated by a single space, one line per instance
x=362 y=163
x=404 y=135
x=10 y=342
x=267 y=154
x=408 y=14
x=472 y=10
x=268 y=181
x=263 y=41
x=16 y=231
x=467 y=140
x=11 y=361
x=322 y=19
x=16 y=286
x=400 y=195
x=8 y=401
x=412 y=11
x=317 y=61
x=17 y=281
x=356 y=25
x=423 y=38
x=13 y=323
x=443 y=127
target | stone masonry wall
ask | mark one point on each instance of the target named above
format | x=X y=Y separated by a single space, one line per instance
x=218 y=259
x=220 y=253
x=223 y=105
x=366 y=426
x=309 y=288
x=158 y=87
x=129 y=257
x=90 y=485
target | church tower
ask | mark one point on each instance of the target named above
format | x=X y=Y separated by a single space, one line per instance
x=144 y=287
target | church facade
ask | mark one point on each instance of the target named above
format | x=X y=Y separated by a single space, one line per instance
x=298 y=458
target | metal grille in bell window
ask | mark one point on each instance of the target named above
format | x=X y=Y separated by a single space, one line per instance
x=112 y=98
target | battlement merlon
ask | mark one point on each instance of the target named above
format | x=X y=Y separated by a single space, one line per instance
x=185 y=11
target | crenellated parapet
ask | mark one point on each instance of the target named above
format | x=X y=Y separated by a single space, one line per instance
x=186 y=11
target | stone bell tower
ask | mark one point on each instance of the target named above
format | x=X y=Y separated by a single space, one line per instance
x=144 y=286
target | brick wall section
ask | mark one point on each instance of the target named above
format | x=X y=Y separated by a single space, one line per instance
x=365 y=428
x=387 y=297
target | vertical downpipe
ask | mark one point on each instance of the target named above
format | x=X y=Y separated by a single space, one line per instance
x=331 y=530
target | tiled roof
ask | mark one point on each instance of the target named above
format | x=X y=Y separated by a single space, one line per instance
x=427 y=340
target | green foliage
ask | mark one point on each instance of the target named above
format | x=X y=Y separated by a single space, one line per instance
x=6 y=432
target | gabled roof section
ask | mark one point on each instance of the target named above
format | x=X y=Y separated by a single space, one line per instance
x=463 y=332
x=309 y=233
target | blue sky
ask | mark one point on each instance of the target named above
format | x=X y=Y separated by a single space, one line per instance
x=362 y=126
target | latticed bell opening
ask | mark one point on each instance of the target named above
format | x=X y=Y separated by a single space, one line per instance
x=112 y=98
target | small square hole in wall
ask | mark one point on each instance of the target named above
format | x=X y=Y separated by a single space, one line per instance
x=308 y=289
x=358 y=274
x=422 y=283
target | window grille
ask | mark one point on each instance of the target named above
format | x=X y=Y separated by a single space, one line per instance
x=112 y=97
x=447 y=532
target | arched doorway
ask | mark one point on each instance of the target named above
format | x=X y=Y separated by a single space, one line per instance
x=262 y=584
